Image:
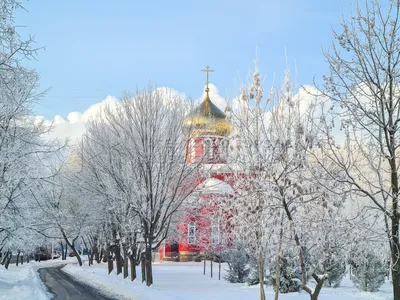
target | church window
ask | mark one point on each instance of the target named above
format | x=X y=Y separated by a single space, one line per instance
x=215 y=230
x=208 y=149
x=192 y=233
x=224 y=149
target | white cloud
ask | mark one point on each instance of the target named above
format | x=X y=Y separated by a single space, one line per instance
x=73 y=126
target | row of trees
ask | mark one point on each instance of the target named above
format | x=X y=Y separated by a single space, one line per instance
x=316 y=182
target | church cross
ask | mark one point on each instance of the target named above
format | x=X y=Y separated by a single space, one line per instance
x=207 y=70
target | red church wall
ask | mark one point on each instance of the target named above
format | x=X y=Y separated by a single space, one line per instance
x=207 y=206
x=202 y=217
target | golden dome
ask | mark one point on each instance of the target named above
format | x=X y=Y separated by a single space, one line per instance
x=208 y=119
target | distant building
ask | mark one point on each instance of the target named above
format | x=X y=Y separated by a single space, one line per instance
x=201 y=229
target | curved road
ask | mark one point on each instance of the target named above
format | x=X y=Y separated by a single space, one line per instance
x=64 y=287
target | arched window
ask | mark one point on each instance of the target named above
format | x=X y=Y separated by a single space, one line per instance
x=192 y=149
x=208 y=149
x=215 y=230
x=192 y=233
x=224 y=149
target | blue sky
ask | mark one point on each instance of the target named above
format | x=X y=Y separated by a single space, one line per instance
x=100 y=48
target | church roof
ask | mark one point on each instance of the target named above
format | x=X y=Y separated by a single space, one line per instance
x=207 y=118
x=208 y=109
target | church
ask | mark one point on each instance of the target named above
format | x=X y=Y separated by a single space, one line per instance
x=201 y=228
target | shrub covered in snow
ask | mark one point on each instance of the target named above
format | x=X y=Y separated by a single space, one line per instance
x=369 y=273
x=333 y=265
x=253 y=277
x=237 y=259
x=289 y=274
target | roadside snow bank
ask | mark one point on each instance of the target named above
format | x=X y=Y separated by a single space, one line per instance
x=21 y=282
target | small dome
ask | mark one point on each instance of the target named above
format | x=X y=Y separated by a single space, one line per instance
x=208 y=119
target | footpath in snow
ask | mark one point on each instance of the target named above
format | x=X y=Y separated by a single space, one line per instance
x=182 y=281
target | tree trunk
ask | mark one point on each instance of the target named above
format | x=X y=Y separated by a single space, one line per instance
x=101 y=255
x=205 y=259
x=143 y=266
x=27 y=258
x=211 y=267
x=125 y=264
x=72 y=246
x=90 y=256
x=395 y=251
x=5 y=256
x=132 y=259
x=106 y=251
x=261 y=275
x=108 y=257
x=149 y=266
x=22 y=259
x=97 y=254
x=8 y=260
x=317 y=290
x=118 y=257
x=89 y=252
x=278 y=261
x=396 y=280
x=219 y=268
x=62 y=250
x=18 y=254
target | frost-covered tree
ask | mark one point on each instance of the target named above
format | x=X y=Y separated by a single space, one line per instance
x=105 y=178
x=24 y=153
x=275 y=183
x=135 y=151
x=62 y=208
x=252 y=207
x=281 y=184
x=302 y=201
x=363 y=92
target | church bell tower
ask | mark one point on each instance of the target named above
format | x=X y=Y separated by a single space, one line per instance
x=207 y=131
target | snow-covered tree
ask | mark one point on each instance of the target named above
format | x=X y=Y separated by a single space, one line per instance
x=237 y=259
x=252 y=207
x=280 y=185
x=135 y=152
x=363 y=92
x=24 y=153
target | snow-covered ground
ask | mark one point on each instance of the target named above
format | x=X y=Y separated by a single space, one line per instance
x=179 y=281
x=173 y=281
x=23 y=282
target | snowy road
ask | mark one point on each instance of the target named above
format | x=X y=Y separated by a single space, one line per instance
x=64 y=287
